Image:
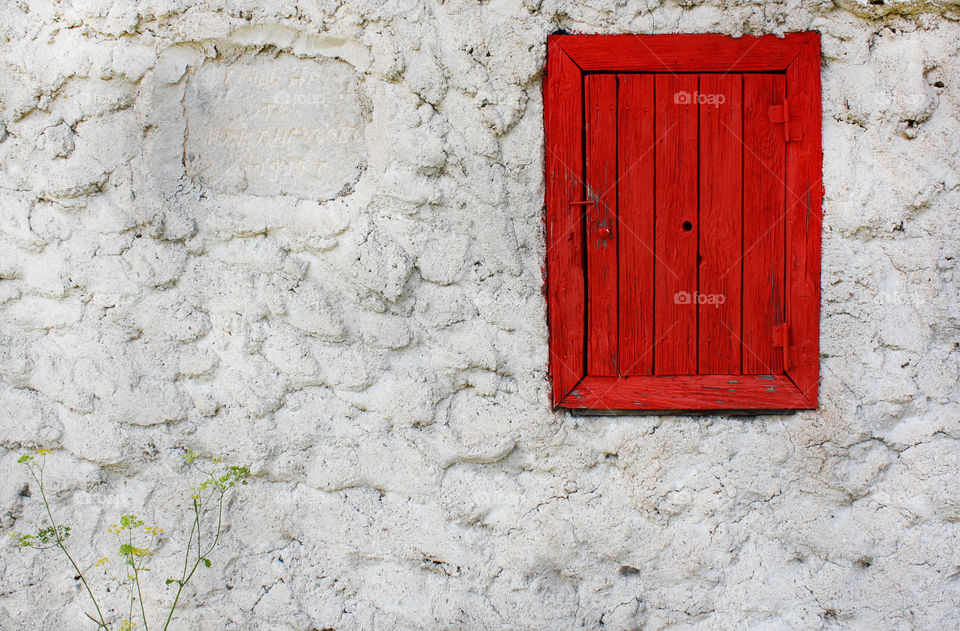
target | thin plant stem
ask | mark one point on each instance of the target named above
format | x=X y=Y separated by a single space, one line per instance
x=58 y=538
x=198 y=509
x=184 y=578
x=143 y=614
x=201 y=553
x=216 y=537
x=129 y=577
x=186 y=557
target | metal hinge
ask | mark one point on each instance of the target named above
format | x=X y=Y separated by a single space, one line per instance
x=781 y=114
x=781 y=339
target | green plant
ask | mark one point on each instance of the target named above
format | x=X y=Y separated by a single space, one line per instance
x=137 y=541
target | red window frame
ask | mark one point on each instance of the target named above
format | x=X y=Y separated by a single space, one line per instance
x=572 y=57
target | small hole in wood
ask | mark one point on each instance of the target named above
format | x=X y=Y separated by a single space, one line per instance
x=687 y=226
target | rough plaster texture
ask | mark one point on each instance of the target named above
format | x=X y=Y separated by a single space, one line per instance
x=308 y=237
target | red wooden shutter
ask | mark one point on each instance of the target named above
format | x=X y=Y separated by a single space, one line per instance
x=683 y=221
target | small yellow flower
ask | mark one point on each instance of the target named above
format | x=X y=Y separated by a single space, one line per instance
x=43 y=452
x=101 y=562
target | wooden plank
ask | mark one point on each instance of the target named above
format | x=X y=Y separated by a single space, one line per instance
x=563 y=163
x=803 y=209
x=675 y=275
x=600 y=115
x=636 y=175
x=721 y=173
x=685 y=52
x=763 y=224
x=688 y=392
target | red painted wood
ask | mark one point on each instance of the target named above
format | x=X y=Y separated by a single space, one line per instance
x=636 y=176
x=675 y=274
x=721 y=133
x=685 y=52
x=564 y=167
x=803 y=207
x=763 y=224
x=692 y=392
x=600 y=115
x=680 y=189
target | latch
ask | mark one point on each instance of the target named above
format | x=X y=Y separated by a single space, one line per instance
x=781 y=114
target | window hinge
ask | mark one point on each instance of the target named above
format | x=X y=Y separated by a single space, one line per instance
x=781 y=339
x=781 y=114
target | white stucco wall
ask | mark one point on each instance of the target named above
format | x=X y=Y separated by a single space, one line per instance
x=308 y=238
